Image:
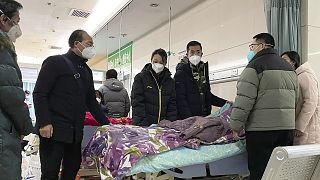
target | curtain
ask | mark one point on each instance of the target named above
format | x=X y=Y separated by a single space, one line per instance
x=283 y=23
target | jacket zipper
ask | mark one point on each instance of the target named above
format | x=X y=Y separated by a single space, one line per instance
x=160 y=94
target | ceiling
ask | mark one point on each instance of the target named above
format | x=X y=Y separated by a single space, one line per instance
x=47 y=23
x=137 y=20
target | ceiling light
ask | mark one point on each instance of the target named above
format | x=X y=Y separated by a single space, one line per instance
x=154 y=5
x=103 y=11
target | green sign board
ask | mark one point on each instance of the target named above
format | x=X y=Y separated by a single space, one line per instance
x=121 y=59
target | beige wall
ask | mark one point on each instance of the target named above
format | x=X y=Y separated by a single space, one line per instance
x=100 y=66
x=314 y=35
x=224 y=27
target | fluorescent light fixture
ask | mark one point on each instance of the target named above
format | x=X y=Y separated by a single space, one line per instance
x=102 y=13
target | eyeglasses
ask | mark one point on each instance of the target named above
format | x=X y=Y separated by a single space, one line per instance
x=86 y=44
x=13 y=22
x=251 y=45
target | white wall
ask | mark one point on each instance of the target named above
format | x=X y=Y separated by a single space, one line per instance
x=224 y=27
x=314 y=35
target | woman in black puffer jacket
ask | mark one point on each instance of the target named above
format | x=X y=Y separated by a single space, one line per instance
x=153 y=93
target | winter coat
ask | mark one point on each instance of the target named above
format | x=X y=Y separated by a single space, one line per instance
x=205 y=129
x=153 y=97
x=267 y=93
x=190 y=102
x=14 y=114
x=116 y=98
x=59 y=100
x=308 y=108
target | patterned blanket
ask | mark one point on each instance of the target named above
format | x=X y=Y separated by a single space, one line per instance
x=116 y=148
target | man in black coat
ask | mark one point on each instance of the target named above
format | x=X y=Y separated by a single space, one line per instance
x=194 y=97
x=63 y=92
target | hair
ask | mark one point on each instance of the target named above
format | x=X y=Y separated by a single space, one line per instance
x=294 y=57
x=9 y=7
x=111 y=73
x=265 y=38
x=162 y=53
x=76 y=35
x=27 y=92
x=193 y=43
x=101 y=96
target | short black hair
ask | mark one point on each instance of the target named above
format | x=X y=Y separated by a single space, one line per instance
x=111 y=73
x=162 y=53
x=27 y=92
x=294 y=57
x=76 y=35
x=9 y=7
x=193 y=43
x=265 y=38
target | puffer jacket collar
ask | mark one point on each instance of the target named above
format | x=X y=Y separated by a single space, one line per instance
x=264 y=52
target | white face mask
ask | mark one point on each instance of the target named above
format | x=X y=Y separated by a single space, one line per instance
x=14 y=33
x=88 y=52
x=99 y=100
x=195 y=59
x=157 y=67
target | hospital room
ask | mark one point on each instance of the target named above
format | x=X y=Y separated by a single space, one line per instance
x=159 y=89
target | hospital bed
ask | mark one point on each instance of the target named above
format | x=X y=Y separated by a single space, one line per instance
x=294 y=163
x=214 y=160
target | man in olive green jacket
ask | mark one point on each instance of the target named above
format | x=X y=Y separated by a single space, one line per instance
x=14 y=115
x=267 y=93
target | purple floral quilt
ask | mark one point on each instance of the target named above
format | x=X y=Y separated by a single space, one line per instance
x=116 y=148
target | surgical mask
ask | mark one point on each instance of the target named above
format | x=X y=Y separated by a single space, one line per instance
x=14 y=33
x=195 y=59
x=88 y=52
x=250 y=55
x=99 y=100
x=157 y=67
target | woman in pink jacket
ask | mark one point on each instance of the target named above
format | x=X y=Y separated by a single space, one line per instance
x=308 y=108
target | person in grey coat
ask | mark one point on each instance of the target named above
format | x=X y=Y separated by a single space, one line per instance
x=115 y=96
x=267 y=94
x=14 y=114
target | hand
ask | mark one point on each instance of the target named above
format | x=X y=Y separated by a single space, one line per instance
x=46 y=131
x=230 y=102
x=235 y=135
x=297 y=133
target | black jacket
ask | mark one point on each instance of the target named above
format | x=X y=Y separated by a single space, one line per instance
x=59 y=100
x=189 y=101
x=145 y=97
